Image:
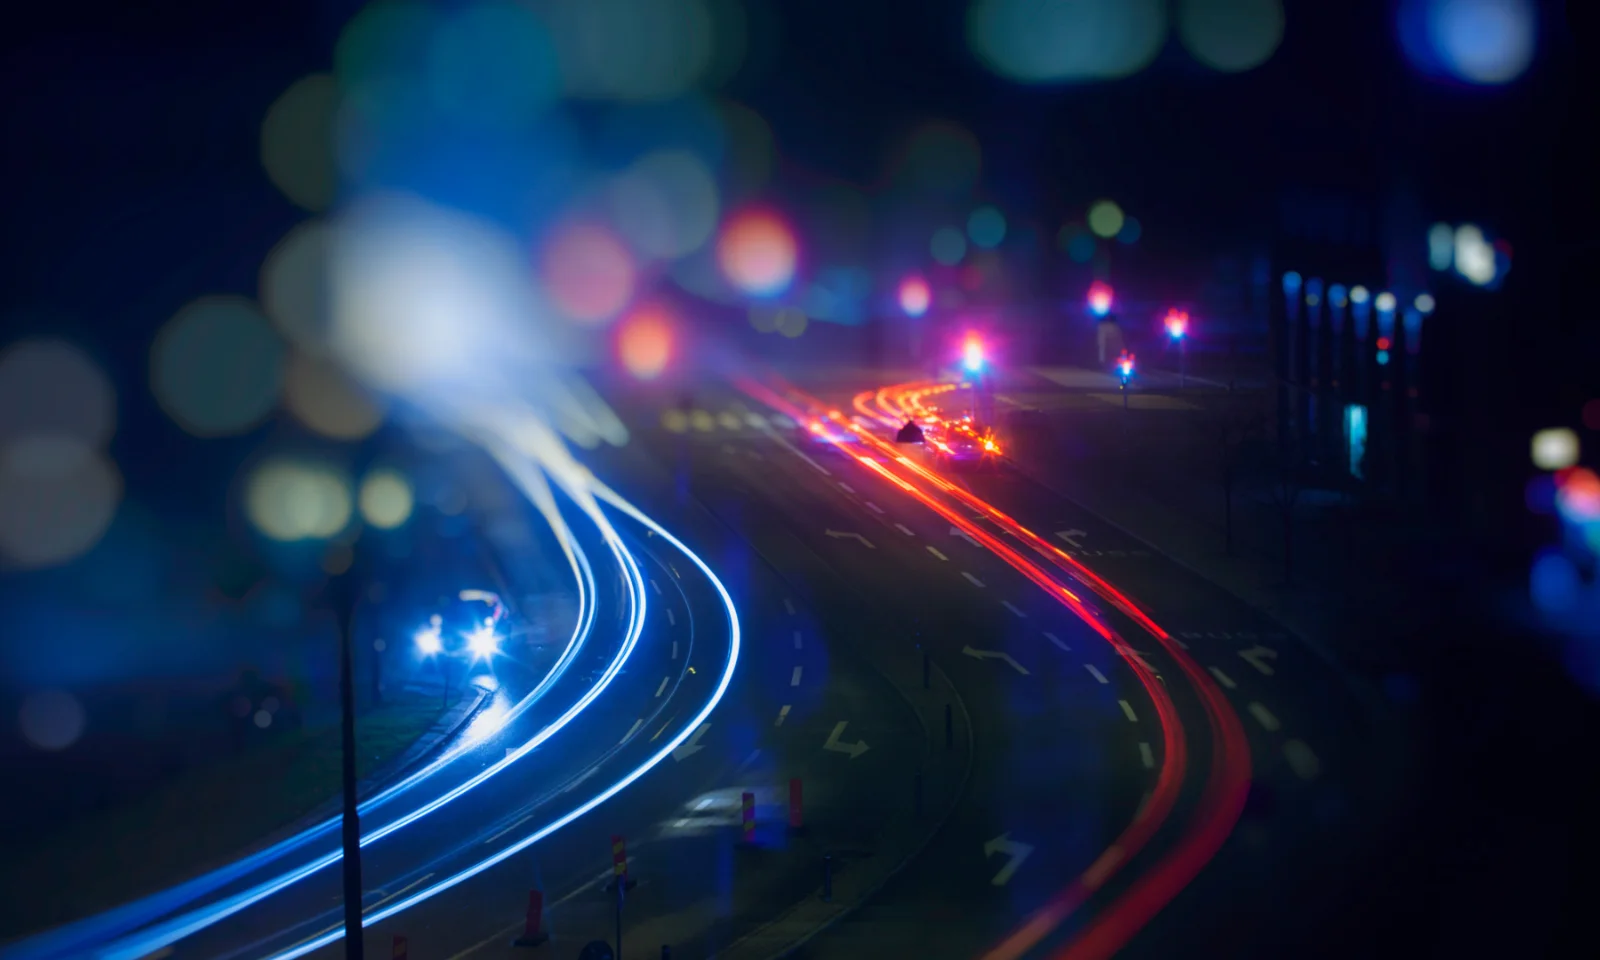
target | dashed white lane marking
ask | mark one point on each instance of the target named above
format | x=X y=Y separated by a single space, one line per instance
x=674 y=570
x=1264 y=717
x=1127 y=711
x=750 y=759
x=507 y=830
x=797 y=643
x=1146 y=755
x=1224 y=679
x=671 y=619
x=655 y=586
x=846 y=487
x=1009 y=606
x=1180 y=643
x=874 y=507
x=904 y=529
x=783 y=711
x=788 y=605
x=633 y=729
x=1094 y=671
x=663 y=688
x=936 y=553
x=975 y=581
x=794 y=680
x=1057 y=641
x=674 y=649
x=1302 y=761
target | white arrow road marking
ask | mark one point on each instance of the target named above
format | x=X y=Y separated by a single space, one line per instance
x=935 y=552
x=1127 y=711
x=783 y=711
x=904 y=529
x=1012 y=607
x=958 y=532
x=1057 y=641
x=975 y=581
x=995 y=655
x=794 y=679
x=1257 y=656
x=1015 y=851
x=854 y=749
x=1264 y=717
x=1094 y=671
x=662 y=689
x=837 y=534
x=1223 y=678
x=691 y=746
x=1072 y=537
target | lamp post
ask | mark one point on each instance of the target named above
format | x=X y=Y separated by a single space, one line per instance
x=340 y=563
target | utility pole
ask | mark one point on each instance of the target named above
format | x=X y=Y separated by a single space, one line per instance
x=344 y=612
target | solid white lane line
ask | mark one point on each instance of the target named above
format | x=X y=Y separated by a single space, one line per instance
x=1094 y=671
x=1264 y=717
x=1127 y=711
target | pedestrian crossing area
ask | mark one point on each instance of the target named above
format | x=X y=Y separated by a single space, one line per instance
x=730 y=422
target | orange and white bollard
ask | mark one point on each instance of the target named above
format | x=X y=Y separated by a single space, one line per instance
x=533 y=925
x=749 y=817
x=619 y=863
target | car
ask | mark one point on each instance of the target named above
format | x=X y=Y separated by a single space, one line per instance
x=471 y=624
x=959 y=445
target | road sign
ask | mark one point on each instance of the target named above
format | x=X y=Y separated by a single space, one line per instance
x=853 y=749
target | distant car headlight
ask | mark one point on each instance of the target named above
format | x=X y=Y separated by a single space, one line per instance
x=429 y=641
x=483 y=643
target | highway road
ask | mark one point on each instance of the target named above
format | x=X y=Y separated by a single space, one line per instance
x=1263 y=739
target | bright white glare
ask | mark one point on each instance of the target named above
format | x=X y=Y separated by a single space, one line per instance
x=52 y=719
x=1483 y=41
x=428 y=641
x=665 y=204
x=630 y=49
x=1231 y=35
x=1474 y=257
x=291 y=501
x=1555 y=449
x=57 y=497
x=1441 y=246
x=217 y=366
x=1359 y=294
x=1050 y=41
x=385 y=499
x=50 y=387
x=1385 y=302
x=297 y=142
x=1424 y=303
x=483 y=643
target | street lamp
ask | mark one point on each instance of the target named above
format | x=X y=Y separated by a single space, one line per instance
x=1177 y=322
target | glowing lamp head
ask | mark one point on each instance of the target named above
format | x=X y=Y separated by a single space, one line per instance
x=972 y=356
x=483 y=643
x=1177 y=324
x=1125 y=365
x=428 y=641
x=915 y=296
x=1099 y=298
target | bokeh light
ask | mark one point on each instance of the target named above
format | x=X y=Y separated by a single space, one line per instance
x=1384 y=302
x=1554 y=584
x=915 y=296
x=1105 y=219
x=491 y=63
x=764 y=317
x=1359 y=294
x=49 y=387
x=1578 y=495
x=1473 y=256
x=1041 y=41
x=758 y=253
x=1591 y=414
x=630 y=49
x=1441 y=246
x=948 y=246
x=750 y=150
x=588 y=271
x=386 y=498
x=1424 y=303
x=51 y=719
x=291 y=501
x=1231 y=35
x=665 y=204
x=792 y=322
x=644 y=341
x=297 y=142
x=294 y=286
x=326 y=399
x=986 y=227
x=1477 y=41
x=57 y=497
x=941 y=159
x=1131 y=231
x=1555 y=448
x=217 y=366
